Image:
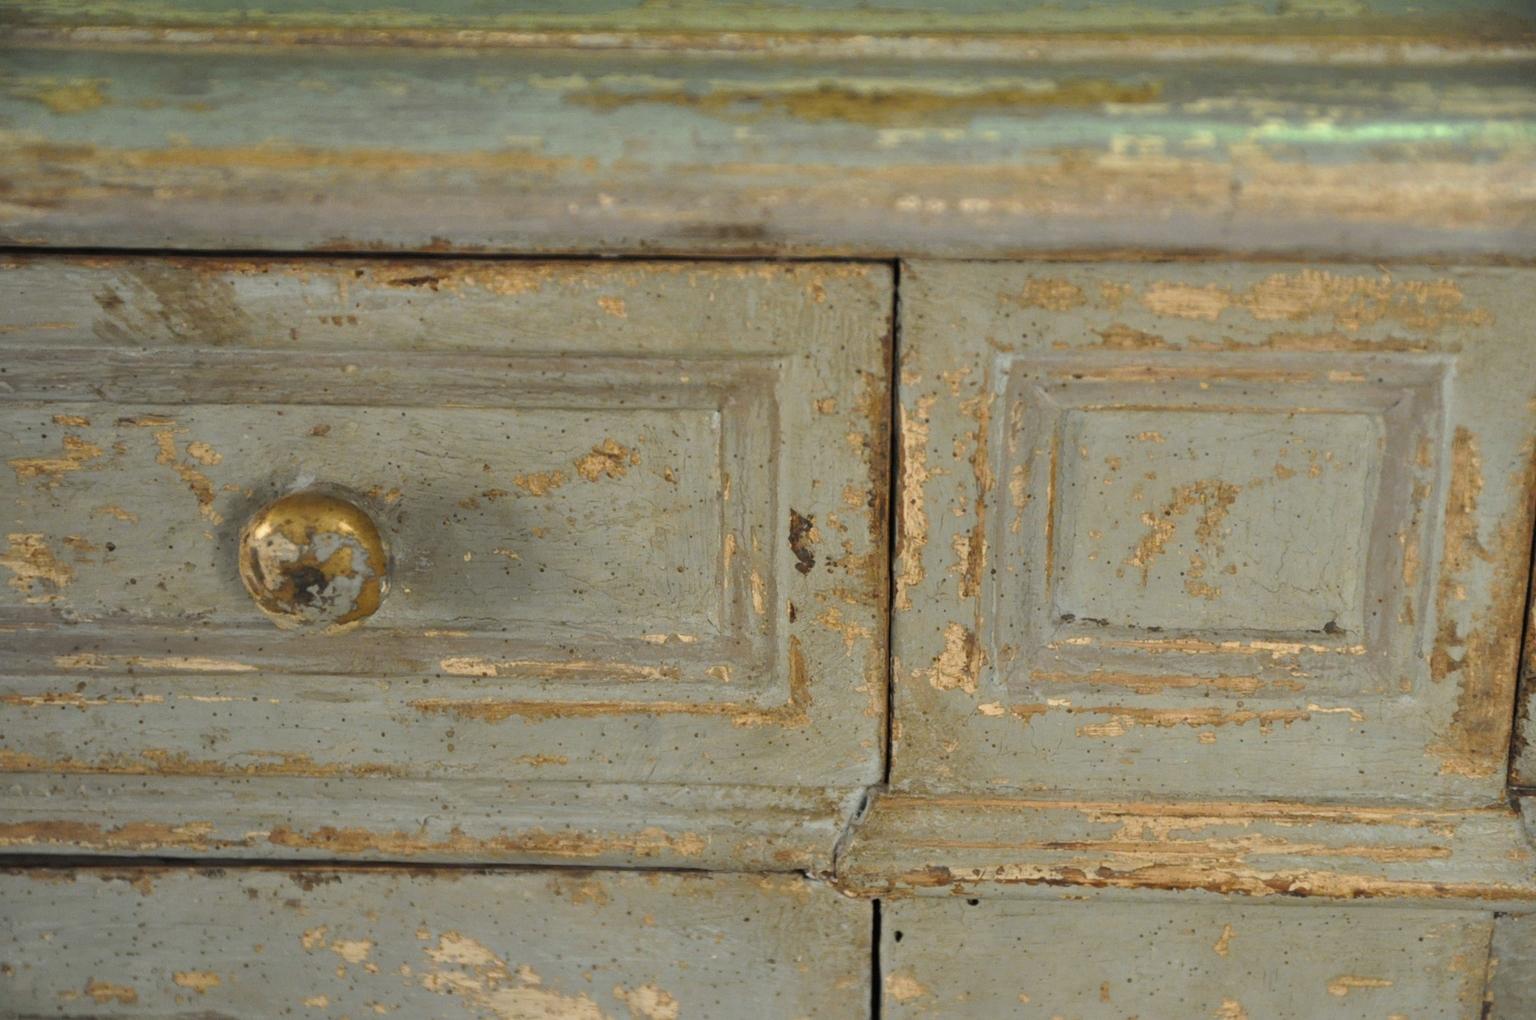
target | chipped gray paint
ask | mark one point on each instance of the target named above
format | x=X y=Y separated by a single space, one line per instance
x=1104 y=469
x=562 y=945
x=1239 y=130
x=940 y=958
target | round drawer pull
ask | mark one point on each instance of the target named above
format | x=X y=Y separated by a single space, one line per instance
x=313 y=559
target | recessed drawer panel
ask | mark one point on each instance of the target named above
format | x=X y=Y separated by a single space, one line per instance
x=1206 y=530
x=629 y=518
x=263 y=943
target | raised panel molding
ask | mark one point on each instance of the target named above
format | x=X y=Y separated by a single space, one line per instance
x=1208 y=531
x=426 y=424
x=1125 y=545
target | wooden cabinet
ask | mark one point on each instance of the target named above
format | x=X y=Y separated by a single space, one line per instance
x=991 y=510
x=1207 y=580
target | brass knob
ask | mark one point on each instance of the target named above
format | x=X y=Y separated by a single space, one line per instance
x=313 y=559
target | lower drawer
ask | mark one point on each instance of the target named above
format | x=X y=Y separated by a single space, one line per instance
x=1107 y=960
x=143 y=942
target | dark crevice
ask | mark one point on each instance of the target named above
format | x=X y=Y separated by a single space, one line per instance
x=850 y=828
x=874 y=962
x=893 y=521
x=892 y=500
x=1523 y=683
x=361 y=254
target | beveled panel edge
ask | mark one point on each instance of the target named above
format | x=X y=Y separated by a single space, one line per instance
x=468 y=822
x=1281 y=852
x=1405 y=393
x=117 y=645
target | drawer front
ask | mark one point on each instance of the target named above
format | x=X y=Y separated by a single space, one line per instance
x=634 y=516
x=1109 y=961
x=1212 y=530
x=588 y=946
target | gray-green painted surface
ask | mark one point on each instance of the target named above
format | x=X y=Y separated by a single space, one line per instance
x=983 y=17
x=1512 y=973
x=1207 y=578
x=1211 y=531
x=636 y=514
x=636 y=146
x=498 y=946
x=953 y=959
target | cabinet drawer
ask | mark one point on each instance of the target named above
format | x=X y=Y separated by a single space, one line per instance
x=633 y=517
x=1202 y=530
x=1154 y=960
x=263 y=943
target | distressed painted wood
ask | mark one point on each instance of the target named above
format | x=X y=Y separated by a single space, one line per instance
x=1212 y=531
x=139 y=942
x=460 y=821
x=193 y=126
x=1512 y=970
x=636 y=514
x=1274 y=852
x=1422 y=20
x=1209 y=572
x=951 y=958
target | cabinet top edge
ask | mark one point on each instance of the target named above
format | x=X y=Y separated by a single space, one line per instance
x=1387 y=31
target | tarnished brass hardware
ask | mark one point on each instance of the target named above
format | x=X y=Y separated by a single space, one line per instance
x=314 y=559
